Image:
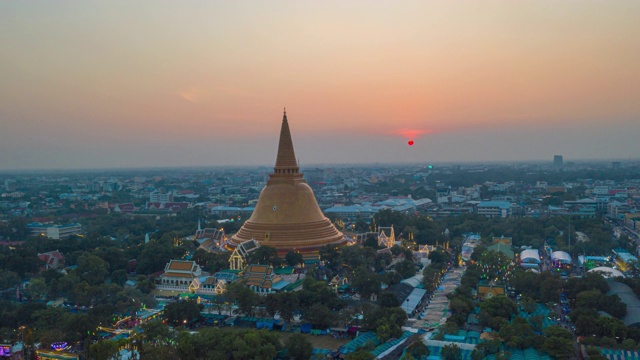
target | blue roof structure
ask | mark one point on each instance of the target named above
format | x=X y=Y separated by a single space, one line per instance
x=355 y=209
x=414 y=281
x=499 y=204
x=412 y=301
x=225 y=208
x=226 y=276
x=280 y=285
x=625 y=256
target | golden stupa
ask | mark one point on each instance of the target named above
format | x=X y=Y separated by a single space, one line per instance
x=287 y=216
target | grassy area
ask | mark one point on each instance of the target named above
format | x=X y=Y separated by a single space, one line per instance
x=319 y=342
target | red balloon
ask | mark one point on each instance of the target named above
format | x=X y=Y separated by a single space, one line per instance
x=410 y=142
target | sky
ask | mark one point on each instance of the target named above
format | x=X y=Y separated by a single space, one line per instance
x=110 y=84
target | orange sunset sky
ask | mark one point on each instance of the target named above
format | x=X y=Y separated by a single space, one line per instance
x=96 y=84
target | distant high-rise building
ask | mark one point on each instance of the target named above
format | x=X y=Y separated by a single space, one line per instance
x=615 y=164
x=160 y=197
x=55 y=232
x=557 y=160
x=9 y=184
x=314 y=177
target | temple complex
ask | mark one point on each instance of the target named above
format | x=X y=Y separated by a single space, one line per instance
x=287 y=216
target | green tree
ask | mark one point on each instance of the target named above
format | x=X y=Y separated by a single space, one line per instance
x=388 y=330
x=628 y=344
x=374 y=316
x=536 y=322
x=243 y=296
x=366 y=282
x=406 y=269
x=371 y=241
x=182 y=312
x=299 y=347
x=154 y=256
x=388 y=299
x=451 y=352
x=145 y=284
x=155 y=332
x=595 y=354
x=588 y=298
x=550 y=287
x=589 y=281
x=431 y=277
x=612 y=305
x=104 y=350
x=48 y=318
x=451 y=326
x=149 y=351
x=438 y=256
x=357 y=256
x=485 y=349
x=317 y=292
x=329 y=253
x=51 y=275
x=266 y=255
x=64 y=286
x=383 y=260
x=37 y=289
x=558 y=342
x=418 y=349
x=361 y=225
x=287 y=304
x=113 y=256
x=461 y=305
x=119 y=277
x=320 y=315
x=256 y=345
x=611 y=327
x=526 y=283
x=528 y=304
x=360 y=354
x=499 y=306
x=92 y=269
x=519 y=334
x=294 y=258
x=8 y=279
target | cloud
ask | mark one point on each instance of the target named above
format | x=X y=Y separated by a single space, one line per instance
x=411 y=133
x=194 y=95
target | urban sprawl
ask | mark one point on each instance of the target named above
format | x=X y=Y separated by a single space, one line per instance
x=431 y=261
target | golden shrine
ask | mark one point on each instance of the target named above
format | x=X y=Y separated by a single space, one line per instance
x=287 y=216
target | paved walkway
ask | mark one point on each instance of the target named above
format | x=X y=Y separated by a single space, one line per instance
x=437 y=311
x=440 y=343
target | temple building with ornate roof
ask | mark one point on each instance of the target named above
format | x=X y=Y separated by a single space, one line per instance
x=287 y=216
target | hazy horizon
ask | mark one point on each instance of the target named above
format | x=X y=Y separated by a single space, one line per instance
x=546 y=163
x=152 y=84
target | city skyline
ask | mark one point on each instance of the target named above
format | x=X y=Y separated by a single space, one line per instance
x=94 y=84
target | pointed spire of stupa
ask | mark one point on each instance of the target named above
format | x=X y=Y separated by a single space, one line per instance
x=286 y=160
x=199 y=228
x=287 y=216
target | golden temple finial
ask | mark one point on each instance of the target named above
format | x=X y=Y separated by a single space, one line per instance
x=285 y=111
x=286 y=158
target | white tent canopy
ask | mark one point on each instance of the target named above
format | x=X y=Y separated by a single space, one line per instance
x=607 y=272
x=530 y=256
x=561 y=256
